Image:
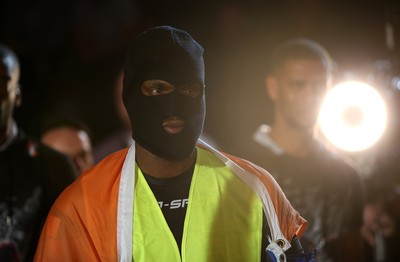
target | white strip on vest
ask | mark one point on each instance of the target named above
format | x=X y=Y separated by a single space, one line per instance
x=125 y=207
x=257 y=186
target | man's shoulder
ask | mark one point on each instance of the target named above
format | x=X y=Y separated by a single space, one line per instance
x=256 y=175
x=261 y=154
x=251 y=163
x=56 y=170
x=54 y=160
x=252 y=167
x=261 y=140
x=337 y=162
x=115 y=159
x=25 y=148
x=97 y=188
x=19 y=145
x=108 y=168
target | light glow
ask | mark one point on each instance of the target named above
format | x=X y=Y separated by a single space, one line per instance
x=353 y=116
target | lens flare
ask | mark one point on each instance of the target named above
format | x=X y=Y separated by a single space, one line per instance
x=353 y=116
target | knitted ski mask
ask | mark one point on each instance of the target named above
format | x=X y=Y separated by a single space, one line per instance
x=169 y=54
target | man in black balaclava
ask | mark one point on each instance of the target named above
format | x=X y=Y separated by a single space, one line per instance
x=167 y=198
x=176 y=64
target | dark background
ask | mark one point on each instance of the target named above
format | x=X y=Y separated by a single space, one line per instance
x=71 y=51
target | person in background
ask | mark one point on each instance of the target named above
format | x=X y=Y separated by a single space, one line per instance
x=170 y=197
x=32 y=175
x=317 y=182
x=70 y=136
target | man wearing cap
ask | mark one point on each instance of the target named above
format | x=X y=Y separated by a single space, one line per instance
x=169 y=196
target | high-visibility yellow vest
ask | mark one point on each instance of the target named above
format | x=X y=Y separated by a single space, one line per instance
x=223 y=219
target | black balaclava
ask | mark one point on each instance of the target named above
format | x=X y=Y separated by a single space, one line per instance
x=169 y=54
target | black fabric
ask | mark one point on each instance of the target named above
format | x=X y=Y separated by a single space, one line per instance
x=32 y=176
x=172 y=195
x=169 y=54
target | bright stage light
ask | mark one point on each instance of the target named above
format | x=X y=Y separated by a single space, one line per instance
x=353 y=116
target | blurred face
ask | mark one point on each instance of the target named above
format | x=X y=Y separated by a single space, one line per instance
x=9 y=93
x=297 y=92
x=73 y=143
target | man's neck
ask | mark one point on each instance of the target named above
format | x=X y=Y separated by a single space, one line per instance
x=159 y=167
x=295 y=142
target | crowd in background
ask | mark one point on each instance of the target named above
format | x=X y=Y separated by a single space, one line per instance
x=71 y=56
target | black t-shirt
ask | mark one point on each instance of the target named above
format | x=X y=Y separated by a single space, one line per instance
x=172 y=195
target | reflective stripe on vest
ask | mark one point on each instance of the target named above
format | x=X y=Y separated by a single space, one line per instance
x=223 y=219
